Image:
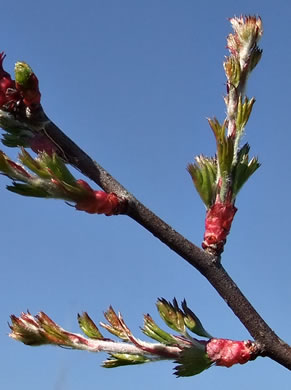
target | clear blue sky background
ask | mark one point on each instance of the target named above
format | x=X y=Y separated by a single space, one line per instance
x=132 y=82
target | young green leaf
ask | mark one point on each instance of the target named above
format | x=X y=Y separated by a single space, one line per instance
x=204 y=174
x=192 y=321
x=88 y=326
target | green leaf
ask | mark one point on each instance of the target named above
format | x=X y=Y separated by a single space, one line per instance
x=244 y=110
x=204 y=174
x=192 y=322
x=243 y=169
x=58 y=167
x=192 y=361
x=232 y=71
x=28 y=190
x=217 y=128
x=89 y=327
x=152 y=330
x=14 y=141
x=119 y=359
x=53 y=332
x=244 y=150
x=35 y=165
x=255 y=58
x=225 y=148
x=171 y=314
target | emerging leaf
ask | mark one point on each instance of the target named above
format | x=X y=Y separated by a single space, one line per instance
x=152 y=330
x=89 y=327
x=192 y=322
x=204 y=174
x=123 y=359
x=35 y=165
x=13 y=170
x=56 y=165
x=244 y=110
x=192 y=361
x=225 y=148
x=172 y=315
x=255 y=59
x=243 y=169
x=116 y=324
x=26 y=329
x=52 y=179
x=177 y=319
x=232 y=70
x=27 y=190
x=243 y=43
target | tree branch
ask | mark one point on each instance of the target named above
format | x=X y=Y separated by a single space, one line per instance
x=209 y=266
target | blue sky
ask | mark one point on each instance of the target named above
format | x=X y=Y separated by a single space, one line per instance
x=132 y=83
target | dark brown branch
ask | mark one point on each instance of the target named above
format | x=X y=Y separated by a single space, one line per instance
x=271 y=345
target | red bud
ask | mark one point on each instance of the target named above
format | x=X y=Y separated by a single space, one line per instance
x=217 y=226
x=41 y=143
x=97 y=202
x=224 y=352
x=18 y=168
x=30 y=93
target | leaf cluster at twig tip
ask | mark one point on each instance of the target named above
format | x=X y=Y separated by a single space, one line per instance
x=219 y=179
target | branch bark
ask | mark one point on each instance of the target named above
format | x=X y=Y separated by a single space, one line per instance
x=270 y=344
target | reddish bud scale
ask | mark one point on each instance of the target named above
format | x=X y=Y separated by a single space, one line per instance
x=2 y=71
x=18 y=168
x=97 y=202
x=41 y=143
x=12 y=93
x=30 y=94
x=217 y=226
x=226 y=353
x=8 y=94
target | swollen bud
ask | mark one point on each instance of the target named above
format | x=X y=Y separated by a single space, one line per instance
x=27 y=84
